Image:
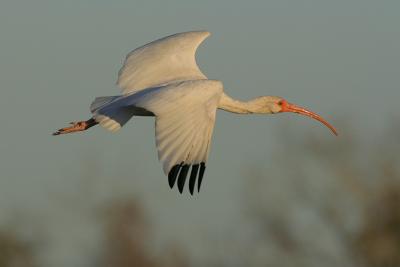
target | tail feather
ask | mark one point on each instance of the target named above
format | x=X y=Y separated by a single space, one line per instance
x=100 y=102
x=110 y=113
x=108 y=123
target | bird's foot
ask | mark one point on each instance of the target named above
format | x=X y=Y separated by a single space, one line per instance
x=75 y=127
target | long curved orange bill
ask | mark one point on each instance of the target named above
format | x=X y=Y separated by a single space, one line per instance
x=288 y=107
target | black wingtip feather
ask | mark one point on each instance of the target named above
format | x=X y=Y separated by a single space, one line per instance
x=182 y=177
x=173 y=173
x=201 y=173
x=193 y=175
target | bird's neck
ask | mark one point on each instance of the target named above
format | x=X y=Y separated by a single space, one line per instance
x=241 y=107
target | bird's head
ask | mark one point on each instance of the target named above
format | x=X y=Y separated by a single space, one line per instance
x=276 y=104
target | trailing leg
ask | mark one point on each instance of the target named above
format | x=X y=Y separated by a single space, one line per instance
x=77 y=127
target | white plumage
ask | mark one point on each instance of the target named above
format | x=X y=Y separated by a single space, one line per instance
x=185 y=117
x=163 y=61
x=162 y=79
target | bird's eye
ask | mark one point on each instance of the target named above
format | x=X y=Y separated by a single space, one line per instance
x=280 y=103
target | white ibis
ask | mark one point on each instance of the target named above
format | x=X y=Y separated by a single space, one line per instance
x=162 y=79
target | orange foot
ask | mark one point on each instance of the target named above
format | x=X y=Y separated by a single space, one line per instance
x=76 y=127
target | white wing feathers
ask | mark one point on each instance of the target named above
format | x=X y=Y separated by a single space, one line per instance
x=185 y=117
x=163 y=61
x=162 y=79
x=110 y=112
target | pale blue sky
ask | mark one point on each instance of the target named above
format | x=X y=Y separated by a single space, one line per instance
x=339 y=58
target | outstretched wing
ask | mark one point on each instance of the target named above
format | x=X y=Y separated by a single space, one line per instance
x=169 y=59
x=185 y=117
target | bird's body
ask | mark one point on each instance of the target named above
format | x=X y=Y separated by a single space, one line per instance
x=162 y=79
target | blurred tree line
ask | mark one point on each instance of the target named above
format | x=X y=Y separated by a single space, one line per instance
x=322 y=201
x=328 y=202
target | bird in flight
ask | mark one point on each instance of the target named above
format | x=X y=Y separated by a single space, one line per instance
x=162 y=79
